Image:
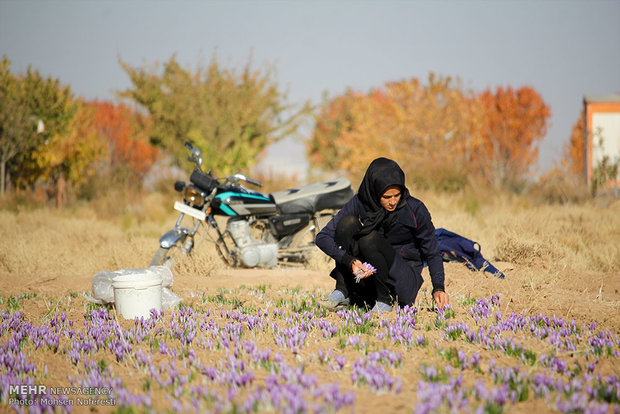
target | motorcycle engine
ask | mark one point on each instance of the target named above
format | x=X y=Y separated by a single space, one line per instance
x=250 y=251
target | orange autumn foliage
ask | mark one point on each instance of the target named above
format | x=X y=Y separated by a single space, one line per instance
x=423 y=127
x=439 y=133
x=574 y=151
x=334 y=118
x=126 y=133
x=511 y=125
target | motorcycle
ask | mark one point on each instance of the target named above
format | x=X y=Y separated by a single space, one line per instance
x=261 y=230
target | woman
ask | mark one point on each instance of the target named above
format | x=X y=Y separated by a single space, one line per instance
x=380 y=240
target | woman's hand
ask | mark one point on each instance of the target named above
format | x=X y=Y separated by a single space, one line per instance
x=441 y=298
x=359 y=270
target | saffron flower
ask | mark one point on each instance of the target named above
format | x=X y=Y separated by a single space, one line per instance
x=360 y=273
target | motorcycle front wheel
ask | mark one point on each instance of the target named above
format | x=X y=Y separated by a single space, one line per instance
x=197 y=262
x=166 y=257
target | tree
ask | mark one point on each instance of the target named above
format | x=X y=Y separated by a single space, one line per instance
x=439 y=133
x=425 y=128
x=72 y=156
x=512 y=123
x=32 y=111
x=574 y=151
x=334 y=118
x=231 y=117
x=125 y=134
x=13 y=118
x=434 y=125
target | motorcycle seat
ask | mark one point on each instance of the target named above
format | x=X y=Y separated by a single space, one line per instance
x=310 y=198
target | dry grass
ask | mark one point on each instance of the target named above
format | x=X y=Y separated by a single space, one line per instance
x=552 y=251
x=583 y=237
x=50 y=243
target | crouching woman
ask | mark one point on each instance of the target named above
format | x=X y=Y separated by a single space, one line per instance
x=380 y=240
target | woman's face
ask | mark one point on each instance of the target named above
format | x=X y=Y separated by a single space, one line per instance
x=390 y=198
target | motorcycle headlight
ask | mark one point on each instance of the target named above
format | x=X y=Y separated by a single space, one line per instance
x=193 y=196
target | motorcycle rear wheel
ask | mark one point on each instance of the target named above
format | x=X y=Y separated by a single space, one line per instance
x=301 y=247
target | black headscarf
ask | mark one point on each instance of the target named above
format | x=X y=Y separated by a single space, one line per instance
x=381 y=174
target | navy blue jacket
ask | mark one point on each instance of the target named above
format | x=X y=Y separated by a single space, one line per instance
x=455 y=247
x=412 y=235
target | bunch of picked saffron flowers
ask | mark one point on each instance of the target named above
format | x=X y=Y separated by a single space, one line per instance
x=360 y=272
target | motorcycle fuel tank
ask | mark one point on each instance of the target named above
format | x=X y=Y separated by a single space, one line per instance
x=233 y=203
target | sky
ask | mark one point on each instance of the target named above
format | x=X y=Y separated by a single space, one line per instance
x=565 y=49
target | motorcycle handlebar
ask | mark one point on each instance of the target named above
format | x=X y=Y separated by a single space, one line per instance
x=256 y=183
x=235 y=178
x=197 y=157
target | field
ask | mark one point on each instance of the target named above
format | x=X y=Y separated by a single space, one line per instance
x=545 y=339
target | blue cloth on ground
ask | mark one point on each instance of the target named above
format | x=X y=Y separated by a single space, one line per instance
x=456 y=248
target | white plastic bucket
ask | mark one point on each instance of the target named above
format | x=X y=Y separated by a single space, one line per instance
x=135 y=294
